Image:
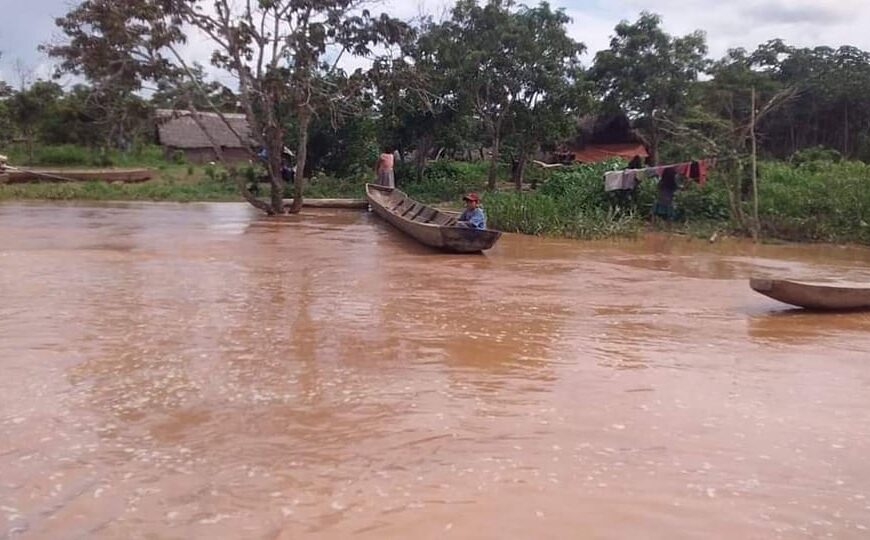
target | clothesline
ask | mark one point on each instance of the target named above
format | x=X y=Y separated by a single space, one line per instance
x=628 y=179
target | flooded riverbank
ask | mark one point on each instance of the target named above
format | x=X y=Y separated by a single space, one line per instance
x=180 y=371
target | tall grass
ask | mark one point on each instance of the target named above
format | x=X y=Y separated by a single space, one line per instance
x=445 y=181
x=102 y=191
x=534 y=213
x=570 y=203
x=69 y=155
x=816 y=201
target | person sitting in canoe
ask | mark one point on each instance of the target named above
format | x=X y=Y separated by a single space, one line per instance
x=473 y=216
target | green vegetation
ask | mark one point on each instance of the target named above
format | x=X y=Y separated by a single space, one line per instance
x=72 y=155
x=815 y=201
x=172 y=183
x=818 y=201
x=467 y=103
x=570 y=203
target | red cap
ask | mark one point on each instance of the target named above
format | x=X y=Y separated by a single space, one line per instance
x=471 y=197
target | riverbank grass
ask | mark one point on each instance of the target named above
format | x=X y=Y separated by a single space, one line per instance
x=817 y=201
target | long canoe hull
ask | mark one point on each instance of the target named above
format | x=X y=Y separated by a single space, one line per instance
x=818 y=296
x=78 y=175
x=430 y=226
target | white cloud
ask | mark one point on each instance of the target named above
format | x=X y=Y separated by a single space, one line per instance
x=728 y=24
x=748 y=23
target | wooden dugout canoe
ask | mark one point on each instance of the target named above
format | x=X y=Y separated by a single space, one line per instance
x=16 y=176
x=815 y=295
x=429 y=226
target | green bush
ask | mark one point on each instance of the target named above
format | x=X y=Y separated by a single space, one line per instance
x=69 y=155
x=66 y=155
x=818 y=201
x=444 y=181
x=817 y=153
x=571 y=202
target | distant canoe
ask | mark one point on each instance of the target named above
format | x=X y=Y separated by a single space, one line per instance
x=347 y=204
x=821 y=296
x=429 y=226
x=21 y=176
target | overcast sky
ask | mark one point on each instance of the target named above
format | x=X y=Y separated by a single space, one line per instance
x=733 y=23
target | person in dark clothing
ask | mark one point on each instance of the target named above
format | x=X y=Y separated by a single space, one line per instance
x=668 y=186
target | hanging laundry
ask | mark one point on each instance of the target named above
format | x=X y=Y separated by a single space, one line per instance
x=613 y=180
x=682 y=169
x=698 y=171
x=629 y=179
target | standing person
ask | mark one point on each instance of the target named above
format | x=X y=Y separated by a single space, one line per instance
x=668 y=186
x=384 y=168
x=473 y=216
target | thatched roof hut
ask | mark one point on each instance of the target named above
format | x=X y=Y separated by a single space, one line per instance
x=178 y=131
x=601 y=137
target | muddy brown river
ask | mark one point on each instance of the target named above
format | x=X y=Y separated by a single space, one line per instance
x=199 y=371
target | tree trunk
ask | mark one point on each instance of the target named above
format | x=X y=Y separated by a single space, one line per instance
x=654 y=143
x=301 y=157
x=520 y=172
x=493 y=163
x=734 y=181
x=218 y=152
x=756 y=223
x=29 y=138
x=846 y=130
x=424 y=146
x=275 y=151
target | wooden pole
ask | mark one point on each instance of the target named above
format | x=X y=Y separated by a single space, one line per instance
x=757 y=223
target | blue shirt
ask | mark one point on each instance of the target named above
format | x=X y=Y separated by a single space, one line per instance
x=473 y=218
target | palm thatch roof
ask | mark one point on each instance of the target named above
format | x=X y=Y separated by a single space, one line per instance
x=178 y=129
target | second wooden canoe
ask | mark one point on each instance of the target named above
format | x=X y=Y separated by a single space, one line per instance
x=16 y=176
x=429 y=226
x=815 y=295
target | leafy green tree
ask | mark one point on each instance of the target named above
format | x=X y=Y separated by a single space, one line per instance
x=497 y=58
x=193 y=88
x=649 y=73
x=555 y=92
x=29 y=107
x=282 y=52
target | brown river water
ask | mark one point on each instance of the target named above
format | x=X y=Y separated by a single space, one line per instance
x=199 y=371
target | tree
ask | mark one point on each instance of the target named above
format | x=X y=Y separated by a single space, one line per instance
x=554 y=94
x=417 y=109
x=31 y=106
x=284 y=53
x=648 y=73
x=196 y=88
x=497 y=57
x=87 y=117
x=728 y=120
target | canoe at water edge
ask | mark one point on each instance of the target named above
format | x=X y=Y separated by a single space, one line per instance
x=815 y=295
